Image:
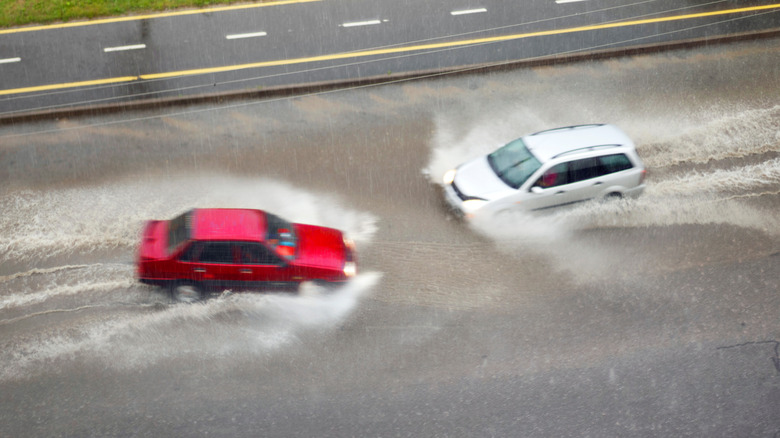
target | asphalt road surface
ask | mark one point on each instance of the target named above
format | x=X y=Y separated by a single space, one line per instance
x=653 y=317
x=280 y=44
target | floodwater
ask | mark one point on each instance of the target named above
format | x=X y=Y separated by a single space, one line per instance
x=655 y=316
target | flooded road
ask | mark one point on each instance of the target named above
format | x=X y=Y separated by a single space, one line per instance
x=647 y=317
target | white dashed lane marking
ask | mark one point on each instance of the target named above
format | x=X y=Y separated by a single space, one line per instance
x=468 y=11
x=362 y=23
x=123 y=48
x=245 y=35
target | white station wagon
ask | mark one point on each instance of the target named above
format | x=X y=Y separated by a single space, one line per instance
x=548 y=169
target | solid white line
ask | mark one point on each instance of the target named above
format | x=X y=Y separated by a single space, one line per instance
x=9 y=60
x=468 y=11
x=121 y=48
x=560 y=2
x=245 y=35
x=361 y=23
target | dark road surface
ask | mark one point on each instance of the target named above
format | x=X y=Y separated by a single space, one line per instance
x=282 y=44
x=653 y=317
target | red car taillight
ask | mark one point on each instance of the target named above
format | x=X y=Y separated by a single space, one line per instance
x=642 y=176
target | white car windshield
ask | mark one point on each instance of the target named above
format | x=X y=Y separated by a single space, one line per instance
x=513 y=163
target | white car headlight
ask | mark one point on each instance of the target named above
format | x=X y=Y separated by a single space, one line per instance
x=449 y=176
x=472 y=205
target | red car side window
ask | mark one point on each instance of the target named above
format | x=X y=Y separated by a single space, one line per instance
x=258 y=254
x=216 y=252
x=191 y=253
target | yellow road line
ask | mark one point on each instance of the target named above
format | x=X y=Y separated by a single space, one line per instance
x=69 y=85
x=445 y=45
x=151 y=16
x=393 y=50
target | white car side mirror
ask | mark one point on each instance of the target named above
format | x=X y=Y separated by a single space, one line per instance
x=537 y=190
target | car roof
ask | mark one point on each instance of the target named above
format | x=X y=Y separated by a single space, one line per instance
x=228 y=224
x=552 y=143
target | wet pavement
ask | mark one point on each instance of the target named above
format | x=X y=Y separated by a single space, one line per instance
x=653 y=317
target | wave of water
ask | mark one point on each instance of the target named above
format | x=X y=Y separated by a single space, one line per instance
x=728 y=134
x=115 y=320
x=39 y=271
x=763 y=177
x=730 y=189
x=56 y=283
x=714 y=197
x=238 y=324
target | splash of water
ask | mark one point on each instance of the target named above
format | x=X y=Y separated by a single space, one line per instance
x=37 y=225
x=763 y=177
x=238 y=324
x=726 y=134
x=715 y=196
x=41 y=225
x=453 y=144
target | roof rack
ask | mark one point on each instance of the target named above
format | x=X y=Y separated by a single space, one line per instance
x=588 y=148
x=592 y=125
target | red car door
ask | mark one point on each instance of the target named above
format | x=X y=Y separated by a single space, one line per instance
x=261 y=267
x=211 y=264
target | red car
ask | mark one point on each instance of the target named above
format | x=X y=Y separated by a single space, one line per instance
x=206 y=250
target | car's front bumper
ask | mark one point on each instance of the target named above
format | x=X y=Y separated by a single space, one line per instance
x=453 y=200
